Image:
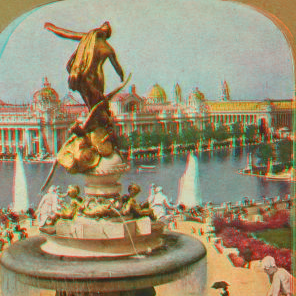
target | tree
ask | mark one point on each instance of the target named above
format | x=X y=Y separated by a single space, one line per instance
x=145 y=140
x=189 y=136
x=251 y=131
x=284 y=151
x=155 y=138
x=208 y=132
x=123 y=141
x=221 y=133
x=165 y=139
x=237 y=129
x=135 y=139
x=264 y=152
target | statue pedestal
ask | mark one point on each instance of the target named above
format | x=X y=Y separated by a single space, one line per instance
x=103 y=182
x=104 y=238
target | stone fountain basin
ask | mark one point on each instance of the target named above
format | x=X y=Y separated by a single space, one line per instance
x=104 y=238
x=28 y=264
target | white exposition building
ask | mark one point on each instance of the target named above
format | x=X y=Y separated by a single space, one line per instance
x=41 y=126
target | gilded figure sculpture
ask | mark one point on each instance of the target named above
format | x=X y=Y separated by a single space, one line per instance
x=95 y=138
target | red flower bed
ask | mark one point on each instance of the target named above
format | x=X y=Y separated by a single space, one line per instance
x=219 y=248
x=234 y=238
x=278 y=220
x=234 y=234
x=237 y=261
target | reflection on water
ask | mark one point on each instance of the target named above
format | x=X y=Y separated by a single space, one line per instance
x=218 y=178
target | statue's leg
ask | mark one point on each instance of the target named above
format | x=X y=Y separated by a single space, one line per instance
x=94 y=88
x=85 y=99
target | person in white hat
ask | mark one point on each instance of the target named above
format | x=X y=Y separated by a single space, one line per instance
x=281 y=280
x=160 y=203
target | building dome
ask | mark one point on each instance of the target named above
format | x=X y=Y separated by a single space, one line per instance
x=156 y=95
x=46 y=98
x=196 y=98
x=197 y=101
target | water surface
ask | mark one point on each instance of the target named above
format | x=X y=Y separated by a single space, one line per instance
x=219 y=180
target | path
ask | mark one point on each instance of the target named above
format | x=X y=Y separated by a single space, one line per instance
x=243 y=281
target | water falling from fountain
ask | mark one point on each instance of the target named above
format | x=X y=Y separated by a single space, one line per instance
x=20 y=190
x=189 y=184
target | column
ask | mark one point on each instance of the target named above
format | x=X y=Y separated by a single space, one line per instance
x=3 y=140
x=16 y=139
x=24 y=140
x=55 y=141
x=9 y=140
x=40 y=140
x=29 y=143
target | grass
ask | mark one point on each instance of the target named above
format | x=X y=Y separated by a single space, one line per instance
x=281 y=237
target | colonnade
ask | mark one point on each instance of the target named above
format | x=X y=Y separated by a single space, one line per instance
x=232 y=118
x=13 y=138
x=283 y=120
x=31 y=140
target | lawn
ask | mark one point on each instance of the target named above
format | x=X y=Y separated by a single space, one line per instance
x=281 y=237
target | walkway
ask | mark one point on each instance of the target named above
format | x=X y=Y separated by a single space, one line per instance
x=243 y=281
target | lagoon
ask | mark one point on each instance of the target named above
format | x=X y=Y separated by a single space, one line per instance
x=219 y=179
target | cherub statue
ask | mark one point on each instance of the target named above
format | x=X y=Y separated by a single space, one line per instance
x=93 y=208
x=130 y=205
x=68 y=210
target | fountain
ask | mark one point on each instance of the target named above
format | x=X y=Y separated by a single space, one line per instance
x=20 y=191
x=103 y=243
x=249 y=167
x=189 y=184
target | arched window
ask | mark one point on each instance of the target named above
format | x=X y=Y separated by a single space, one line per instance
x=130 y=107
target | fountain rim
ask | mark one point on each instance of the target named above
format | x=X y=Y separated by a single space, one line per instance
x=103 y=275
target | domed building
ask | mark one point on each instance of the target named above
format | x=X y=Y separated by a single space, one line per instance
x=126 y=102
x=46 y=99
x=195 y=97
x=197 y=101
x=45 y=127
x=156 y=95
x=37 y=128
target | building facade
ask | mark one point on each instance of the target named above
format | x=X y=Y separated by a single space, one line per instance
x=42 y=125
x=196 y=111
x=38 y=127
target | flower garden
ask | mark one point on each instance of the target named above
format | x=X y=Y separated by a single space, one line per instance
x=242 y=235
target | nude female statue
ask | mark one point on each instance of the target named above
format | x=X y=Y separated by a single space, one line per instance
x=85 y=66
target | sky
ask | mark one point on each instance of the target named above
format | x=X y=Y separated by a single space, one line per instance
x=197 y=43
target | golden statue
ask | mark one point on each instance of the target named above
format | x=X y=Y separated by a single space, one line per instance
x=131 y=207
x=69 y=210
x=95 y=138
x=85 y=66
x=125 y=205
